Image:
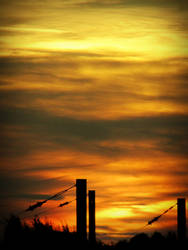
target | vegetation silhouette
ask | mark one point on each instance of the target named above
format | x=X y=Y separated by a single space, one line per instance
x=39 y=235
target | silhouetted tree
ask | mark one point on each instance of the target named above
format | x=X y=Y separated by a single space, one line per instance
x=13 y=231
x=140 y=240
x=121 y=245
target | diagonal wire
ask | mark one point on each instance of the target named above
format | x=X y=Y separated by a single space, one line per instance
x=40 y=203
x=54 y=208
x=65 y=203
x=153 y=220
x=159 y=216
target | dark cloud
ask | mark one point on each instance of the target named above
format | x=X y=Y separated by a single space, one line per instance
x=43 y=168
x=87 y=135
x=104 y=227
x=12 y=21
x=157 y=170
x=174 y=195
x=29 y=187
x=32 y=65
x=170 y=131
x=133 y=3
x=48 y=65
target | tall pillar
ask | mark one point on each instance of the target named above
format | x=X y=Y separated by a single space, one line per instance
x=181 y=217
x=92 y=235
x=81 y=208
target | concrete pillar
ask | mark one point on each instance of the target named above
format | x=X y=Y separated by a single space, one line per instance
x=181 y=219
x=92 y=234
x=81 y=208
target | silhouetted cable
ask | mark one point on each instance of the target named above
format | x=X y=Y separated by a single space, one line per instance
x=158 y=217
x=36 y=205
x=150 y=222
x=65 y=203
x=40 y=203
x=54 y=208
x=61 y=192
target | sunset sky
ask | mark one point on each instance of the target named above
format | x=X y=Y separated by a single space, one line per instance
x=95 y=89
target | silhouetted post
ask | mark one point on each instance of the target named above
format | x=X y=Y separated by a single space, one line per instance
x=81 y=208
x=92 y=235
x=181 y=217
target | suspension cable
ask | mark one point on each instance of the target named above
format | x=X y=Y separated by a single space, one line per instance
x=150 y=222
x=54 y=208
x=40 y=203
x=159 y=216
x=65 y=203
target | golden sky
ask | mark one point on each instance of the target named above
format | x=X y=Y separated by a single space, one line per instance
x=95 y=89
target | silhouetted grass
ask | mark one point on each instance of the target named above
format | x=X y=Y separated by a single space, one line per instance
x=40 y=235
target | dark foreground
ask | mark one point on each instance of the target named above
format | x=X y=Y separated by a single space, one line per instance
x=42 y=236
